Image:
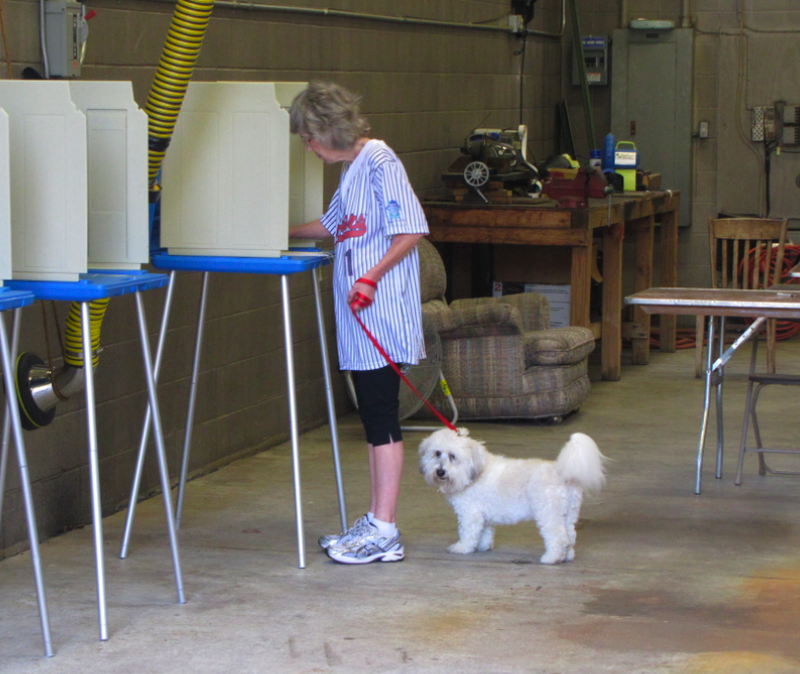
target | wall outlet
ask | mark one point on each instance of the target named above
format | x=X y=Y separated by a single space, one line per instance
x=702 y=130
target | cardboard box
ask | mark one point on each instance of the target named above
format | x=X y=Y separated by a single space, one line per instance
x=558 y=296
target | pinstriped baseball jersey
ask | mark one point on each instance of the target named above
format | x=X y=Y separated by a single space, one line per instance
x=374 y=201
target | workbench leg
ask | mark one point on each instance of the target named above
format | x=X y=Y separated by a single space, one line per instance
x=669 y=276
x=581 y=278
x=611 y=344
x=643 y=279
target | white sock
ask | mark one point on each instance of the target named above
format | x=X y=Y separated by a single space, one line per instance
x=385 y=529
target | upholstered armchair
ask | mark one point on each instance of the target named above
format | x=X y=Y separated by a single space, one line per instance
x=500 y=357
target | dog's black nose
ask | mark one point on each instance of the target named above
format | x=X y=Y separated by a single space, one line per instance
x=441 y=472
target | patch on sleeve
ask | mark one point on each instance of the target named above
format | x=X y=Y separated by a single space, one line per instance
x=393 y=210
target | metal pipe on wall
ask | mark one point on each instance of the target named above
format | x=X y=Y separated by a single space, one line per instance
x=234 y=4
x=624 y=10
x=686 y=20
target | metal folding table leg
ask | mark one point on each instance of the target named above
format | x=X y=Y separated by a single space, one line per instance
x=12 y=415
x=293 y=433
x=317 y=278
x=94 y=471
x=706 y=405
x=137 y=477
x=718 y=380
x=159 y=439
x=187 y=439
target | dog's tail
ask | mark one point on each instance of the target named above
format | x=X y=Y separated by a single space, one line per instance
x=581 y=462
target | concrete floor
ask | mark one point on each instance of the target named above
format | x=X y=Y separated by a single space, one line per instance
x=664 y=581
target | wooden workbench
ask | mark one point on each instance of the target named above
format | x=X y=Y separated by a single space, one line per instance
x=632 y=214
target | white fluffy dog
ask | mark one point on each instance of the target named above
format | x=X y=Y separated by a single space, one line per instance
x=488 y=489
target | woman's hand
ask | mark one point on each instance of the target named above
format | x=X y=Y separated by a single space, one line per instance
x=361 y=294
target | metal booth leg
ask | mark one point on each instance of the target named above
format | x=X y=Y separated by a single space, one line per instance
x=12 y=414
x=187 y=439
x=298 y=501
x=317 y=279
x=94 y=477
x=7 y=416
x=137 y=478
x=159 y=438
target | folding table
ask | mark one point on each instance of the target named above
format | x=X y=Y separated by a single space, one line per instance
x=293 y=262
x=11 y=300
x=95 y=286
x=717 y=303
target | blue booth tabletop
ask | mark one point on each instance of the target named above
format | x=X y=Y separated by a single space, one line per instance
x=94 y=285
x=13 y=299
x=291 y=263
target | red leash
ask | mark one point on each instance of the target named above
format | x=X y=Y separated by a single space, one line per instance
x=363 y=301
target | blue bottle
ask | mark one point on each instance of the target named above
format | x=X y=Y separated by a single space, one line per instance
x=608 y=152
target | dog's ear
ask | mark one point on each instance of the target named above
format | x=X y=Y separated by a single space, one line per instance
x=478 y=462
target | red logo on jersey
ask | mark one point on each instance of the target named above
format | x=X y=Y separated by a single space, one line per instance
x=350 y=227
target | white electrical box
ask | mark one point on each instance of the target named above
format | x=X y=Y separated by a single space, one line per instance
x=65 y=33
x=48 y=180
x=116 y=135
x=5 y=200
x=234 y=178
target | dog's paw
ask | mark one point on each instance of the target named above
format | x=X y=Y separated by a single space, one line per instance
x=485 y=547
x=460 y=549
x=570 y=555
x=553 y=557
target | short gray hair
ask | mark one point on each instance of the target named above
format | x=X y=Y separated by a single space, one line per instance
x=327 y=112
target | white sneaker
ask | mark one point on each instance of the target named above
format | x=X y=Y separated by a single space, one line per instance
x=326 y=540
x=367 y=547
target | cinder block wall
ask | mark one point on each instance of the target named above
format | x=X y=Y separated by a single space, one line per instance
x=745 y=55
x=424 y=88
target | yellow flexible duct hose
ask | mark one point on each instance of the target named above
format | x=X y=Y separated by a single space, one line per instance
x=172 y=77
x=73 y=335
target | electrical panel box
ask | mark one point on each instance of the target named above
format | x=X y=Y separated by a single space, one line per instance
x=65 y=33
x=5 y=200
x=116 y=136
x=234 y=179
x=48 y=180
x=595 y=55
x=788 y=117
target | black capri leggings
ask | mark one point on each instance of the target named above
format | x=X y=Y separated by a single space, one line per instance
x=378 y=395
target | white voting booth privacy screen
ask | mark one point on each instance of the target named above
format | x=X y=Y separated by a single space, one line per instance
x=234 y=179
x=117 y=174
x=47 y=179
x=77 y=174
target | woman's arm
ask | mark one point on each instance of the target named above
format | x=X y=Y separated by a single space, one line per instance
x=402 y=244
x=310 y=230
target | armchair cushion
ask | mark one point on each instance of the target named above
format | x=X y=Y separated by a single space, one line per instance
x=558 y=346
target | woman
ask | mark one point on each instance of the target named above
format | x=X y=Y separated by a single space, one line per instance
x=376 y=221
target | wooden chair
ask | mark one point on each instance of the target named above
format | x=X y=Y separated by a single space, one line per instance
x=742 y=255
